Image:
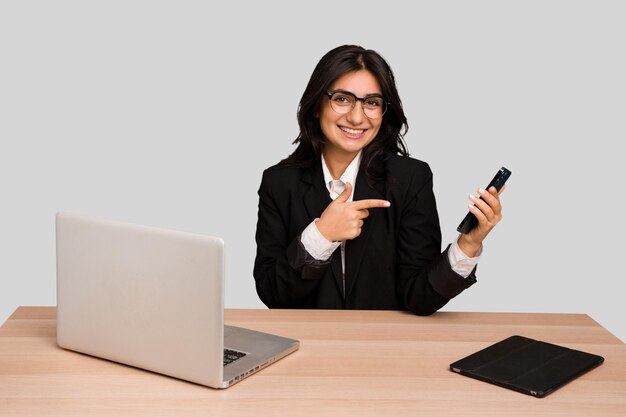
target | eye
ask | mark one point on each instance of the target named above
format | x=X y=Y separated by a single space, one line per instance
x=342 y=99
x=374 y=102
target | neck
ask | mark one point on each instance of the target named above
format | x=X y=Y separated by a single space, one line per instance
x=337 y=163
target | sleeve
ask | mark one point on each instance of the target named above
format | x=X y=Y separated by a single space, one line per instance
x=460 y=262
x=286 y=275
x=425 y=279
x=316 y=244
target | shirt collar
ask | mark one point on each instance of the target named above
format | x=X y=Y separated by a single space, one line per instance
x=349 y=175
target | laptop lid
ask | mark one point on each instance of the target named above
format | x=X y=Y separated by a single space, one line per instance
x=142 y=296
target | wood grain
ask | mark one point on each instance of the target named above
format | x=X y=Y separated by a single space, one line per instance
x=361 y=363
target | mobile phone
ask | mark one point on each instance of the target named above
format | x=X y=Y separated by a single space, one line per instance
x=470 y=221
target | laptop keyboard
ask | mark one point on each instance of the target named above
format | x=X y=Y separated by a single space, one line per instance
x=231 y=356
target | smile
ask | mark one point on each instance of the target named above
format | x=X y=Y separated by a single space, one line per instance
x=352 y=132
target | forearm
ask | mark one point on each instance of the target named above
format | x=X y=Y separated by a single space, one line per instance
x=290 y=279
x=426 y=290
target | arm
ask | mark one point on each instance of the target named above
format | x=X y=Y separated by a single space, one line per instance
x=425 y=279
x=286 y=275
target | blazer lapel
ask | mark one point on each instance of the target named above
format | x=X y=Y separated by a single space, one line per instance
x=316 y=199
x=365 y=189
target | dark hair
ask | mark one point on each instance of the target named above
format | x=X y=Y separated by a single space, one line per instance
x=333 y=65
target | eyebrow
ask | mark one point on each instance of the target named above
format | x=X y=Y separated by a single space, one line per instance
x=341 y=90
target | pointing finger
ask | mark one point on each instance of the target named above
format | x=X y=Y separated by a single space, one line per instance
x=372 y=203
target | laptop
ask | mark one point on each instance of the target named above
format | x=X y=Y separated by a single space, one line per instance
x=153 y=299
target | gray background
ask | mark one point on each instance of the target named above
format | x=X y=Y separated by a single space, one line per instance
x=166 y=114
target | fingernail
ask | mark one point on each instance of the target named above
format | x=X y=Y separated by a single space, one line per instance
x=473 y=197
x=481 y=191
x=387 y=204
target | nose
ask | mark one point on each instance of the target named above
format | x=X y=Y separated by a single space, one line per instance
x=356 y=115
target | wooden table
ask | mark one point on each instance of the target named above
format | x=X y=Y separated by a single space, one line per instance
x=350 y=363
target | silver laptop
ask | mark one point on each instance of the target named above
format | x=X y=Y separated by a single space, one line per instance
x=153 y=299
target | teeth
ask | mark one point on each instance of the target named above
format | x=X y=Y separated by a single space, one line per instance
x=352 y=131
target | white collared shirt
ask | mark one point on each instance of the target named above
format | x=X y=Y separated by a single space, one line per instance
x=321 y=249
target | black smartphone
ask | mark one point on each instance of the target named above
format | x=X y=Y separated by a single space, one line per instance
x=470 y=221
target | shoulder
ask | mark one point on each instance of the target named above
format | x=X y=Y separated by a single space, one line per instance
x=281 y=173
x=406 y=164
x=279 y=179
x=407 y=171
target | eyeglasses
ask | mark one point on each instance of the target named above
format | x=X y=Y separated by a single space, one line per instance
x=342 y=102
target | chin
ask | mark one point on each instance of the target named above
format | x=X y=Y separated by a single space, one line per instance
x=352 y=149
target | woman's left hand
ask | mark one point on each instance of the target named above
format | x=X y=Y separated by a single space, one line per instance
x=488 y=211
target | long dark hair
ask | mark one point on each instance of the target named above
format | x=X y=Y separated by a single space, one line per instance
x=334 y=64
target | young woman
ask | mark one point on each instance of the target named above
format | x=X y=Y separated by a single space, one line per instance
x=349 y=220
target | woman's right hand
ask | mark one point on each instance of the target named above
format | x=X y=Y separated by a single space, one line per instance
x=343 y=219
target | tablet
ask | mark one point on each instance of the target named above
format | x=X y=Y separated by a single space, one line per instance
x=526 y=365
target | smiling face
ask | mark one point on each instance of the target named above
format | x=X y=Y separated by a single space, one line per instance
x=346 y=134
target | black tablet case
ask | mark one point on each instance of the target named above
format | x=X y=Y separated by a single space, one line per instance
x=527 y=365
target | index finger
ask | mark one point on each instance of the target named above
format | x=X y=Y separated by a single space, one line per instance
x=371 y=203
x=492 y=199
x=493 y=191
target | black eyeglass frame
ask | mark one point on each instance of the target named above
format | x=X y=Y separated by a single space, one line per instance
x=330 y=95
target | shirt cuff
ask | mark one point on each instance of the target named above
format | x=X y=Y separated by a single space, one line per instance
x=316 y=244
x=460 y=262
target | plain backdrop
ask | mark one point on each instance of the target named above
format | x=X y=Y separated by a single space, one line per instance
x=166 y=114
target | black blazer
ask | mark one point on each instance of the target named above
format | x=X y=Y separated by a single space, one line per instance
x=394 y=264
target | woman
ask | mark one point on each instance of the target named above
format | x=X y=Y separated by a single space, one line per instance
x=349 y=220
